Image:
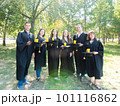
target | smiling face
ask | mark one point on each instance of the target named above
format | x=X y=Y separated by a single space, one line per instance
x=42 y=32
x=54 y=32
x=92 y=36
x=79 y=28
x=27 y=26
x=65 y=33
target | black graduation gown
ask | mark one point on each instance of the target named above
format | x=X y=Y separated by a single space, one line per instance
x=40 y=58
x=94 y=63
x=23 y=54
x=53 y=56
x=67 y=65
x=80 y=62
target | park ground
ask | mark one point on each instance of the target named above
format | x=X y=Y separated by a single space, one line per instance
x=110 y=80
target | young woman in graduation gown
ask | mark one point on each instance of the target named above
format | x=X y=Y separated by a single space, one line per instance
x=40 y=54
x=53 y=54
x=94 y=60
x=66 y=54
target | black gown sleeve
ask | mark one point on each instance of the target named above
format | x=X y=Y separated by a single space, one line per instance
x=100 y=49
x=21 y=44
x=74 y=37
x=85 y=39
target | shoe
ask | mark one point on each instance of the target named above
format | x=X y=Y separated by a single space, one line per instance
x=82 y=79
x=20 y=88
x=76 y=76
x=27 y=83
x=90 y=84
x=39 y=79
x=98 y=87
x=56 y=78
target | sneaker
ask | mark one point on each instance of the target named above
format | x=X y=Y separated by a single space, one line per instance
x=39 y=79
x=82 y=79
x=20 y=88
x=27 y=83
x=76 y=76
x=56 y=78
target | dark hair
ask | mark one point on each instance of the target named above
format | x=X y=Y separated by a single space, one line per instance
x=52 y=33
x=27 y=23
x=90 y=32
x=40 y=31
x=68 y=37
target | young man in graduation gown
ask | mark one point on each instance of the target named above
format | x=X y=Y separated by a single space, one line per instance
x=24 y=51
x=80 y=38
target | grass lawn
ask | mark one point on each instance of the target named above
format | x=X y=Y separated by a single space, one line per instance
x=110 y=80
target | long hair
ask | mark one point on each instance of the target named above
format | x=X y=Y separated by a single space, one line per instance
x=68 y=37
x=91 y=32
x=40 y=31
x=52 y=33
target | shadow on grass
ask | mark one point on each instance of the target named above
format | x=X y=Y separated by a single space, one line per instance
x=112 y=49
x=8 y=72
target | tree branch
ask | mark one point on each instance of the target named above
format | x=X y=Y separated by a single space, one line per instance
x=4 y=3
x=35 y=8
x=42 y=10
x=21 y=12
x=37 y=5
x=25 y=15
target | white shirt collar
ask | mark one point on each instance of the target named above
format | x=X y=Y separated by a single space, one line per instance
x=79 y=34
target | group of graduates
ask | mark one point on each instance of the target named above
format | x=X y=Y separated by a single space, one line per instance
x=87 y=50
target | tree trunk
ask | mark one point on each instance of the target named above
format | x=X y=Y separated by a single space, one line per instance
x=112 y=37
x=4 y=33
x=106 y=38
x=4 y=39
x=119 y=38
x=99 y=33
x=33 y=26
x=85 y=13
x=85 y=22
x=103 y=39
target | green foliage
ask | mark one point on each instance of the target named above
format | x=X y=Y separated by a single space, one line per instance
x=116 y=17
x=103 y=16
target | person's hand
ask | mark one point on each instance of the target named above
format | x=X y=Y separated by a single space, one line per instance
x=95 y=53
x=70 y=54
x=44 y=42
x=41 y=44
x=73 y=53
x=29 y=43
x=80 y=44
x=59 y=56
x=33 y=55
